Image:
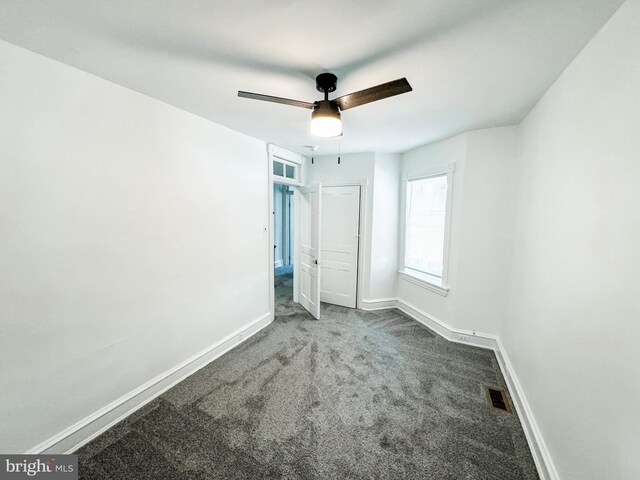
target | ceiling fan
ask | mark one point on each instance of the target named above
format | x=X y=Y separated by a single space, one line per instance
x=325 y=119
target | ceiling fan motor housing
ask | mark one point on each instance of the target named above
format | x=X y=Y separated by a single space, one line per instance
x=325 y=119
x=326 y=82
x=326 y=108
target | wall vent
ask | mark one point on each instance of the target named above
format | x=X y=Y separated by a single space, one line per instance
x=497 y=398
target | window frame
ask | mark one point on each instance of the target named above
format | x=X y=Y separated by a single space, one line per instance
x=430 y=282
x=286 y=158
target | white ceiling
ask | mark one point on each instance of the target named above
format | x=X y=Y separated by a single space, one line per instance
x=472 y=63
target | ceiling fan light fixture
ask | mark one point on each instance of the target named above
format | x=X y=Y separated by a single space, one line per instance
x=325 y=120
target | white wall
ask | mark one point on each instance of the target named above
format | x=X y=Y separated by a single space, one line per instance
x=574 y=306
x=384 y=226
x=485 y=229
x=117 y=214
x=481 y=217
x=436 y=155
x=112 y=269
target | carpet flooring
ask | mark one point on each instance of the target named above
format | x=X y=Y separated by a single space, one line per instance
x=356 y=395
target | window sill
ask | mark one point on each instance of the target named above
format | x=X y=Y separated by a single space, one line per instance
x=425 y=281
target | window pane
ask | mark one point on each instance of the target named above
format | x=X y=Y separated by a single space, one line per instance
x=278 y=169
x=291 y=171
x=426 y=205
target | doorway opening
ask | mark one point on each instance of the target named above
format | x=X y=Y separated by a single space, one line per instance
x=283 y=243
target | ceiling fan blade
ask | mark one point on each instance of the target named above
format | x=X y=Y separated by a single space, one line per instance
x=269 y=98
x=373 y=94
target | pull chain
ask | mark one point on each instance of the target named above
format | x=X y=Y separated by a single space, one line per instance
x=339 y=145
x=312 y=149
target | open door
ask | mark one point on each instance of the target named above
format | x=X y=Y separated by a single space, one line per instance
x=309 y=257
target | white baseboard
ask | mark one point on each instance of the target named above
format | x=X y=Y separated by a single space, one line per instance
x=541 y=456
x=97 y=423
x=378 y=303
x=94 y=425
x=539 y=451
x=483 y=340
x=468 y=337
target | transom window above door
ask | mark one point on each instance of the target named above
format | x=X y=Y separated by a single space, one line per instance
x=286 y=166
x=284 y=169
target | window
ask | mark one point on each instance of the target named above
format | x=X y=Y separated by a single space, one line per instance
x=278 y=168
x=286 y=166
x=290 y=171
x=426 y=229
x=284 y=169
x=427 y=203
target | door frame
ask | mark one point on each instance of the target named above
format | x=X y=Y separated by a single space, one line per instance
x=286 y=205
x=287 y=225
x=362 y=225
x=275 y=152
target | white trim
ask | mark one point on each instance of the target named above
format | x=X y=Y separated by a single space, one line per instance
x=296 y=247
x=97 y=423
x=447 y=170
x=346 y=183
x=270 y=233
x=431 y=172
x=283 y=154
x=537 y=445
x=287 y=225
x=468 y=337
x=284 y=255
x=423 y=281
x=77 y=435
x=363 y=183
x=539 y=451
x=457 y=335
x=363 y=265
x=378 y=303
x=285 y=181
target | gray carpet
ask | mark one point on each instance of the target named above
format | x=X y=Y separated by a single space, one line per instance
x=357 y=395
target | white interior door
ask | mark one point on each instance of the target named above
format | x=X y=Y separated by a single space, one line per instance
x=339 y=248
x=309 y=257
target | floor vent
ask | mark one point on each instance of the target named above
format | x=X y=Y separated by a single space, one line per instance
x=497 y=398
